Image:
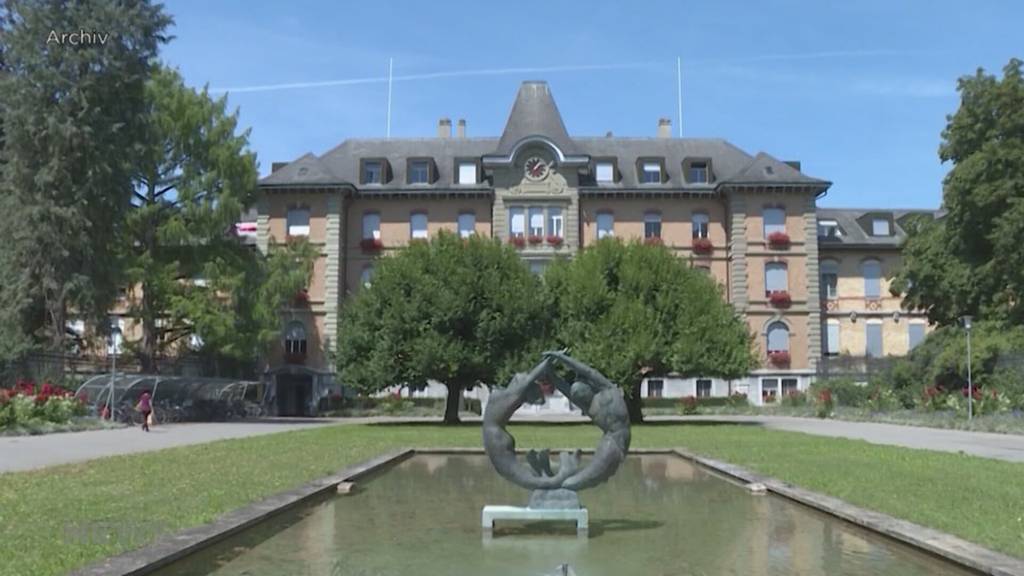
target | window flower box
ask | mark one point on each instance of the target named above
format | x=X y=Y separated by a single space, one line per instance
x=702 y=246
x=295 y=357
x=778 y=240
x=535 y=239
x=555 y=240
x=301 y=297
x=780 y=299
x=653 y=241
x=779 y=357
x=518 y=241
x=371 y=244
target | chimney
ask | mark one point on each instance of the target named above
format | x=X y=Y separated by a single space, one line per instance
x=794 y=164
x=444 y=128
x=460 y=129
x=275 y=166
x=664 y=128
x=609 y=134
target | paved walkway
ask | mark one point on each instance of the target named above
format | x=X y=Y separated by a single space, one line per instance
x=29 y=452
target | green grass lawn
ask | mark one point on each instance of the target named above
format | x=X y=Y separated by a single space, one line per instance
x=50 y=519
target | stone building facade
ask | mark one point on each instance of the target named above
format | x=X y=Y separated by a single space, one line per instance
x=795 y=272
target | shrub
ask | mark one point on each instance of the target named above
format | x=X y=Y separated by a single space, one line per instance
x=737 y=400
x=824 y=403
x=845 y=391
x=882 y=399
x=794 y=398
x=934 y=398
x=689 y=405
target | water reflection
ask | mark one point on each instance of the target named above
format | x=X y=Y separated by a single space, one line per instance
x=658 y=515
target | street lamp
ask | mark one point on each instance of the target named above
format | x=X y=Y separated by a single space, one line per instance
x=115 y=343
x=970 y=385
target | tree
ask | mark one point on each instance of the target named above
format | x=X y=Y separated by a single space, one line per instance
x=72 y=124
x=633 y=310
x=970 y=261
x=457 y=311
x=194 y=176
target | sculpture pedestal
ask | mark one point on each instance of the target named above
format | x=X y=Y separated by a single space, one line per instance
x=492 y=513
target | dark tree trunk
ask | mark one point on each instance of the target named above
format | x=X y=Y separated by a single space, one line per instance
x=635 y=405
x=452 y=404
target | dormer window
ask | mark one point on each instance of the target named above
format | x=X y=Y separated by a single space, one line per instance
x=828 y=229
x=373 y=172
x=698 y=173
x=604 y=172
x=880 y=227
x=467 y=172
x=419 y=172
x=650 y=172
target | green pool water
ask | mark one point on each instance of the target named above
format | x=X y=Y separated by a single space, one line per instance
x=659 y=515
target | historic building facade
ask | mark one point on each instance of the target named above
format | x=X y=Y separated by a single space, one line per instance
x=811 y=283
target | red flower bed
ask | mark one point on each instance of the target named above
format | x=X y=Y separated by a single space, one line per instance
x=555 y=240
x=653 y=241
x=778 y=240
x=702 y=246
x=518 y=241
x=535 y=239
x=779 y=357
x=371 y=244
x=780 y=299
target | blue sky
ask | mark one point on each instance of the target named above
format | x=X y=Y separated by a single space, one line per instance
x=857 y=91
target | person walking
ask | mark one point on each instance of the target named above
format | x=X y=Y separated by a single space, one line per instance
x=146 y=408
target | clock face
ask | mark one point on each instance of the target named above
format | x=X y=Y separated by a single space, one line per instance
x=536 y=168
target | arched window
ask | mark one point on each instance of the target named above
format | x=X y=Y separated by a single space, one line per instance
x=829 y=279
x=778 y=337
x=700 y=221
x=774 y=220
x=295 y=339
x=467 y=224
x=605 y=224
x=298 y=221
x=776 y=278
x=872 y=271
x=652 y=225
x=371 y=226
x=418 y=225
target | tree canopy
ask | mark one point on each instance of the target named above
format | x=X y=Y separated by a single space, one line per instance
x=457 y=311
x=630 y=310
x=971 y=261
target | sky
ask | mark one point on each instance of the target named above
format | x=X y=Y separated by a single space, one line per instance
x=858 y=91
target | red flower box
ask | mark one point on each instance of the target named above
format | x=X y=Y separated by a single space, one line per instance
x=302 y=297
x=555 y=240
x=653 y=241
x=371 y=244
x=702 y=246
x=535 y=239
x=780 y=299
x=518 y=241
x=778 y=240
x=778 y=357
x=295 y=358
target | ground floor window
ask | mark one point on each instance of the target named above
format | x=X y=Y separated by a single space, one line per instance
x=769 y=390
x=789 y=385
x=703 y=388
x=655 y=388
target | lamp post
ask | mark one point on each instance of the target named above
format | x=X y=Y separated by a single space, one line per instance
x=970 y=384
x=115 y=341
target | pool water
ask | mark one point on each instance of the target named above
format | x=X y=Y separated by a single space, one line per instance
x=659 y=515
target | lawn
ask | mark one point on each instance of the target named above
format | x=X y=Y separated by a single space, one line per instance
x=54 y=520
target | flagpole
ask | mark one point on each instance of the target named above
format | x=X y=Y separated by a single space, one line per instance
x=391 y=65
x=679 y=92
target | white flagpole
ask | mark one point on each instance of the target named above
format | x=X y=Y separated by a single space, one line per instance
x=679 y=91
x=391 y=65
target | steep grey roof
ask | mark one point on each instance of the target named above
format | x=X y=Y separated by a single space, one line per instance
x=725 y=159
x=534 y=113
x=765 y=169
x=855 y=226
x=307 y=169
x=445 y=152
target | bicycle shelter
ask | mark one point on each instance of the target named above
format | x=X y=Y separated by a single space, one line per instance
x=163 y=390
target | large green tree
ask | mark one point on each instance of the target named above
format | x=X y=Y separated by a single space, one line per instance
x=193 y=178
x=971 y=261
x=631 y=310
x=72 y=120
x=457 y=311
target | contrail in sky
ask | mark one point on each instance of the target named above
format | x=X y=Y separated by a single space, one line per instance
x=432 y=76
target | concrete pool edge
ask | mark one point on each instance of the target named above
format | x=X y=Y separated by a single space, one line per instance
x=172 y=547
x=946 y=546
